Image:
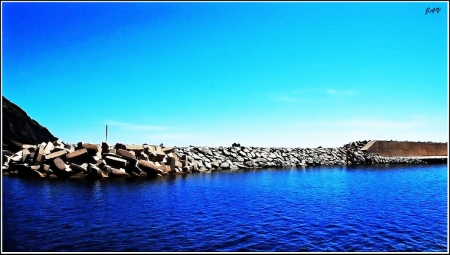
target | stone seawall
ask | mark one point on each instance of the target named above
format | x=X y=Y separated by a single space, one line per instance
x=405 y=148
x=86 y=160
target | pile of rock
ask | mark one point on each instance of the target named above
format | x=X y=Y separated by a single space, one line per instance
x=85 y=160
x=239 y=157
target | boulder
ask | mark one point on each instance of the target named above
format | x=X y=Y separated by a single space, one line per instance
x=225 y=166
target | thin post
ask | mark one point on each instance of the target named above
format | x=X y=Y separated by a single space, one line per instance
x=106 y=133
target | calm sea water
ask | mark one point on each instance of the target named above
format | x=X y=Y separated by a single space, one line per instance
x=336 y=208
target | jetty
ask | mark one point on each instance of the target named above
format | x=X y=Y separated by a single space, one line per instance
x=96 y=161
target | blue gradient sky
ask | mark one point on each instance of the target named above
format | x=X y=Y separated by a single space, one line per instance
x=290 y=74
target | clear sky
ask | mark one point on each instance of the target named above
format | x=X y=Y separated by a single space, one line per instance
x=266 y=74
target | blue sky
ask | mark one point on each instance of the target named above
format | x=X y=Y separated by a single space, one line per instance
x=266 y=74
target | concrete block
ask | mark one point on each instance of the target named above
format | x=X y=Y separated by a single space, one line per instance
x=171 y=163
x=143 y=156
x=136 y=148
x=168 y=150
x=105 y=147
x=70 y=148
x=60 y=154
x=112 y=155
x=25 y=155
x=107 y=169
x=126 y=154
x=119 y=146
x=91 y=148
x=100 y=163
x=42 y=145
x=147 y=165
x=53 y=176
x=119 y=173
x=99 y=152
x=37 y=174
x=38 y=156
x=116 y=162
x=46 y=169
x=57 y=142
x=166 y=169
x=59 y=164
x=94 y=172
x=79 y=175
x=48 y=148
x=35 y=167
x=149 y=148
x=131 y=165
x=78 y=169
x=159 y=156
x=78 y=156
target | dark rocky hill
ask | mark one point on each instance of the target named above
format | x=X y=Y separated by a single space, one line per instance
x=18 y=128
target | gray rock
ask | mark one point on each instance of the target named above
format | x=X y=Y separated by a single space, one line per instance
x=225 y=166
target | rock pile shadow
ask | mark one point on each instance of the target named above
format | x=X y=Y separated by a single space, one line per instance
x=86 y=160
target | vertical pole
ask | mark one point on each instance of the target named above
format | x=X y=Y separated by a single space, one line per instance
x=106 y=133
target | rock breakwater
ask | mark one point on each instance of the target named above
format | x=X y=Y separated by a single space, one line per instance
x=86 y=160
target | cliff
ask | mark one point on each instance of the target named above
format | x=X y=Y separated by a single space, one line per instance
x=18 y=128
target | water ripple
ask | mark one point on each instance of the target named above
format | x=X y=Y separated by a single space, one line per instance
x=328 y=209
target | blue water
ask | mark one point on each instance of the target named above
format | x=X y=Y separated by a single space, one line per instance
x=334 y=208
